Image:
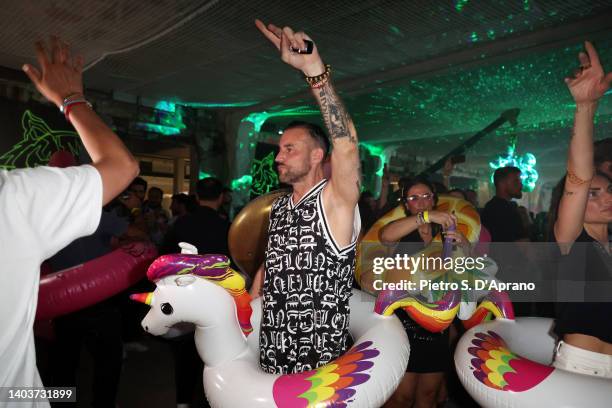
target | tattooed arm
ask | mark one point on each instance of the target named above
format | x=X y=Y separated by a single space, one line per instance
x=587 y=86
x=342 y=193
x=346 y=173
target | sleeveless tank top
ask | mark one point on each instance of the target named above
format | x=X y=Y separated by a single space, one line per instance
x=307 y=286
x=591 y=267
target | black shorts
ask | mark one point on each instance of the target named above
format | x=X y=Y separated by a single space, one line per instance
x=429 y=352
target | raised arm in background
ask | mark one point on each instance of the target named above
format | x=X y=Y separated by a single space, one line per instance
x=588 y=85
x=60 y=76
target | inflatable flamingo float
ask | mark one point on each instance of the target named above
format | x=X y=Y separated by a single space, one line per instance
x=205 y=291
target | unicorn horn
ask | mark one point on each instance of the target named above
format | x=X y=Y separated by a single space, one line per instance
x=145 y=298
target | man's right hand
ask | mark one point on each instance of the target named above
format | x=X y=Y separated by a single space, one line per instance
x=60 y=75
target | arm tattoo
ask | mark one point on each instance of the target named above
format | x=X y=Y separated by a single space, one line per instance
x=334 y=113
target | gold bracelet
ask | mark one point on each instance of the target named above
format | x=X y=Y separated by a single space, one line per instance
x=319 y=79
x=572 y=178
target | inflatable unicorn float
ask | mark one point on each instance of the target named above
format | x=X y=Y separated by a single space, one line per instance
x=204 y=290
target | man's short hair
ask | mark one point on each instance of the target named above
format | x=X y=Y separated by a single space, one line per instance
x=603 y=151
x=209 y=188
x=502 y=173
x=139 y=181
x=315 y=131
x=159 y=190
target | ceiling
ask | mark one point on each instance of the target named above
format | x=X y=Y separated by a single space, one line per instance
x=422 y=74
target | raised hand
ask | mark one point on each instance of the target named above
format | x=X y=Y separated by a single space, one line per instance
x=589 y=82
x=60 y=74
x=288 y=43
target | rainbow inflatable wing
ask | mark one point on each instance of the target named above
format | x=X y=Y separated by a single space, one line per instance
x=331 y=385
x=507 y=363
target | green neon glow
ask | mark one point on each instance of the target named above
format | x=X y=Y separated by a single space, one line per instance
x=259 y=118
x=526 y=5
x=460 y=4
x=161 y=129
x=242 y=182
x=526 y=163
x=218 y=104
x=166 y=106
x=203 y=175
x=167 y=120
x=264 y=178
x=377 y=151
x=38 y=143
x=462 y=101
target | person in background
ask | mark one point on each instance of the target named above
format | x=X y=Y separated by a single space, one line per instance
x=43 y=209
x=367 y=210
x=179 y=207
x=226 y=205
x=155 y=215
x=500 y=215
x=139 y=187
x=204 y=228
x=472 y=197
x=603 y=156
x=430 y=352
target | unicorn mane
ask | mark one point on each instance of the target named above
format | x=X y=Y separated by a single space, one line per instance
x=214 y=268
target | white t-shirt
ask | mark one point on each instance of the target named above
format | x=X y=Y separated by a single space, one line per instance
x=41 y=211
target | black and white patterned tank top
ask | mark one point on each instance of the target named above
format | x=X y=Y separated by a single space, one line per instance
x=307 y=286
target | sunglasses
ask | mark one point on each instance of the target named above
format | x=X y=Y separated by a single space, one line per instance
x=414 y=197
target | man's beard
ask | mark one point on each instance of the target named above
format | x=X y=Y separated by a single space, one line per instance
x=290 y=176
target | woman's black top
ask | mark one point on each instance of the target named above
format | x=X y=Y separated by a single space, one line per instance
x=586 y=270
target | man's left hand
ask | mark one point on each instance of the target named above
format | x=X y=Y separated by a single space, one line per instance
x=288 y=42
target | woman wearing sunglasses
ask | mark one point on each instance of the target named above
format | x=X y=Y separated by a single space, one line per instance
x=429 y=352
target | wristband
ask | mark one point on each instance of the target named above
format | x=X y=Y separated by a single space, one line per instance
x=68 y=107
x=426 y=216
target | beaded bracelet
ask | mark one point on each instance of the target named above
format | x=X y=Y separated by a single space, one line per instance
x=319 y=80
x=71 y=101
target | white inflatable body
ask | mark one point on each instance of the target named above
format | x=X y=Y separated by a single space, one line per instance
x=365 y=376
x=507 y=363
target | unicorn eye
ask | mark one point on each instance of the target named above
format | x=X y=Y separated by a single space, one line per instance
x=166 y=308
